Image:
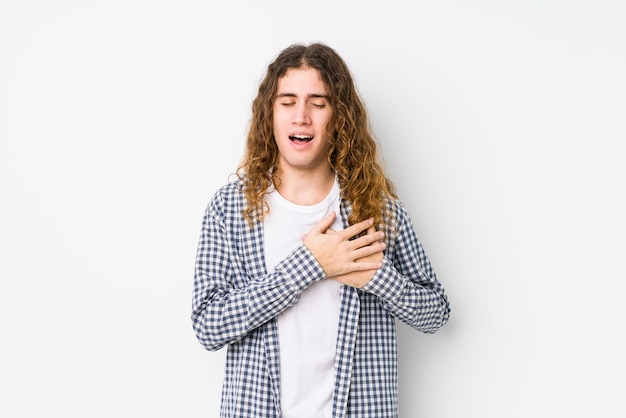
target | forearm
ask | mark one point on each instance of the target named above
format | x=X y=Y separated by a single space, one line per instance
x=419 y=301
x=407 y=285
x=223 y=313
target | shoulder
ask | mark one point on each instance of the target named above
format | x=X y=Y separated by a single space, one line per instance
x=228 y=198
x=231 y=188
x=396 y=209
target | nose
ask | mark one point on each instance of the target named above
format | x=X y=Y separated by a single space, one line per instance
x=301 y=115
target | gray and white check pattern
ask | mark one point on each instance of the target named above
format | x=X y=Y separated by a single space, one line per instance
x=235 y=303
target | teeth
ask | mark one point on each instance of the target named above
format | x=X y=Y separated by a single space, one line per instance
x=301 y=137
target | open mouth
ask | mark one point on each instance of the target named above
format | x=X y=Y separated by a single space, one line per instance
x=300 y=138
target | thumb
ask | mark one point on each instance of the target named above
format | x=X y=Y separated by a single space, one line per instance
x=324 y=224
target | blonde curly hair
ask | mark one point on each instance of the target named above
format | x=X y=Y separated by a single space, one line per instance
x=352 y=155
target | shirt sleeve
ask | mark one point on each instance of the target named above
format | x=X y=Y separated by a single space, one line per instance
x=227 y=302
x=407 y=285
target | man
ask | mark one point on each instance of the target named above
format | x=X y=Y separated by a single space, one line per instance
x=306 y=261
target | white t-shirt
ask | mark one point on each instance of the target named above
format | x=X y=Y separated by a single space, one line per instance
x=307 y=331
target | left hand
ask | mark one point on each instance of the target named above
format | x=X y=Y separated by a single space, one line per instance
x=358 y=279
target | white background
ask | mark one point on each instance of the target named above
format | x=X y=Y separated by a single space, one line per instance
x=502 y=124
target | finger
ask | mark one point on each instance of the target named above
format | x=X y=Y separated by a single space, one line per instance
x=357 y=228
x=366 y=265
x=369 y=250
x=371 y=230
x=368 y=239
x=324 y=224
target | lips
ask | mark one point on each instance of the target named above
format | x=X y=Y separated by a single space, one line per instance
x=301 y=138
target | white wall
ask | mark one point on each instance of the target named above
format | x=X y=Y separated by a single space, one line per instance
x=502 y=124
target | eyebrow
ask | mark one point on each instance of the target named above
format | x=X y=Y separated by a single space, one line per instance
x=310 y=96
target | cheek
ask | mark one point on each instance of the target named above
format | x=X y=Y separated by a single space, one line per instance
x=279 y=120
x=276 y=122
x=326 y=127
x=327 y=122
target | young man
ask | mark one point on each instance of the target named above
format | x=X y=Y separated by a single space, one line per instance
x=306 y=261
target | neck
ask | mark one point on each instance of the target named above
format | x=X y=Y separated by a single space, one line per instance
x=304 y=188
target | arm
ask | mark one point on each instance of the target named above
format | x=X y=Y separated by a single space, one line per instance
x=227 y=303
x=406 y=284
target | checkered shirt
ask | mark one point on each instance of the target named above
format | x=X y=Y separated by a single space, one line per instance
x=235 y=303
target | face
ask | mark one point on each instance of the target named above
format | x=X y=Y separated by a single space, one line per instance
x=301 y=114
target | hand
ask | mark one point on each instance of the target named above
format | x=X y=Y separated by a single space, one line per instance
x=359 y=279
x=339 y=255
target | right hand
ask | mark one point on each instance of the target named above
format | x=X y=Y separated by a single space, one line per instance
x=338 y=254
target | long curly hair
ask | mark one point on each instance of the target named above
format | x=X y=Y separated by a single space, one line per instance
x=353 y=152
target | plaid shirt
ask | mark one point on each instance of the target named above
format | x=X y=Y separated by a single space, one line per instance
x=235 y=303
